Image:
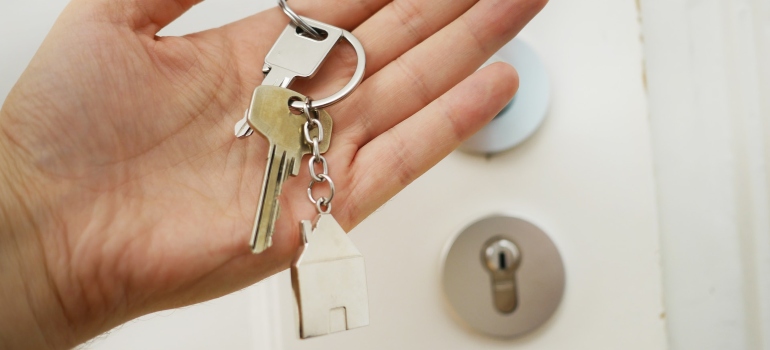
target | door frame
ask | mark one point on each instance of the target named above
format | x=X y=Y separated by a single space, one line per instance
x=709 y=101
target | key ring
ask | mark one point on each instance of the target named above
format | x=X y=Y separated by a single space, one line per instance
x=358 y=75
x=298 y=21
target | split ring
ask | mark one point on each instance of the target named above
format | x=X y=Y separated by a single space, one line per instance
x=298 y=21
x=358 y=77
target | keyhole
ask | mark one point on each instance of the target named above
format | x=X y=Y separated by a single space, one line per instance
x=503 y=265
x=501 y=257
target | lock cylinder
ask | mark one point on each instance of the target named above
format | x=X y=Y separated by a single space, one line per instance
x=501 y=258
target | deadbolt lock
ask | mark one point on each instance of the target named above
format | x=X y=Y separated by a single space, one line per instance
x=503 y=276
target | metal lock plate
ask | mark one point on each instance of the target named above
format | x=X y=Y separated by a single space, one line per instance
x=474 y=290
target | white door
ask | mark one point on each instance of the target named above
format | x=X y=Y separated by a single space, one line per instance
x=585 y=177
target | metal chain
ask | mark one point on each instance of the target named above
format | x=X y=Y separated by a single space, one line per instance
x=323 y=204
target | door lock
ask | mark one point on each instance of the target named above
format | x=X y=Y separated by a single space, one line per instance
x=503 y=276
x=501 y=258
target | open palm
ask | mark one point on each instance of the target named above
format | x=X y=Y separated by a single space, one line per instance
x=149 y=198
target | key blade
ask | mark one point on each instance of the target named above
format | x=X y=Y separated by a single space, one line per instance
x=270 y=115
x=268 y=207
x=278 y=76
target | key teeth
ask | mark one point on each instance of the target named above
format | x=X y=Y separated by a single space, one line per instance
x=276 y=215
x=295 y=166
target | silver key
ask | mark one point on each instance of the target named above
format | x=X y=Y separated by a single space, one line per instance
x=294 y=55
x=270 y=115
x=329 y=280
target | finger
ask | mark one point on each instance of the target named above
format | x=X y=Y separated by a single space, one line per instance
x=426 y=72
x=341 y=13
x=252 y=37
x=346 y=14
x=148 y=16
x=398 y=27
x=396 y=158
x=403 y=24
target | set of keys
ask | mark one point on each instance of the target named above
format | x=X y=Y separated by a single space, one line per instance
x=328 y=272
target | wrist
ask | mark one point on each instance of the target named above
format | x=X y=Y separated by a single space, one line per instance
x=33 y=315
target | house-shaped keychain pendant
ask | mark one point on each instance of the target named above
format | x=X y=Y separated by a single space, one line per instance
x=329 y=280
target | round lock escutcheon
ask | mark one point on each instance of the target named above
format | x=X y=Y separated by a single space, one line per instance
x=521 y=118
x=503 y=276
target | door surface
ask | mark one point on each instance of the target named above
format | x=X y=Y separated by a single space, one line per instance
x=585 y=177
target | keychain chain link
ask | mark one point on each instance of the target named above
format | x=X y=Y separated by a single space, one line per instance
x=322 y=204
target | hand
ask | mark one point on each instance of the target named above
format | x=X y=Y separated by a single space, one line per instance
x=125 y=192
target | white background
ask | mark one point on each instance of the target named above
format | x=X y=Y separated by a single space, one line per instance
x=588 y=177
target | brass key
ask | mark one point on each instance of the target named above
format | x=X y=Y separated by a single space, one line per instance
x=270 y=115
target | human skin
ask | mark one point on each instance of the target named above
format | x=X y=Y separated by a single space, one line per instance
x=123 y=190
